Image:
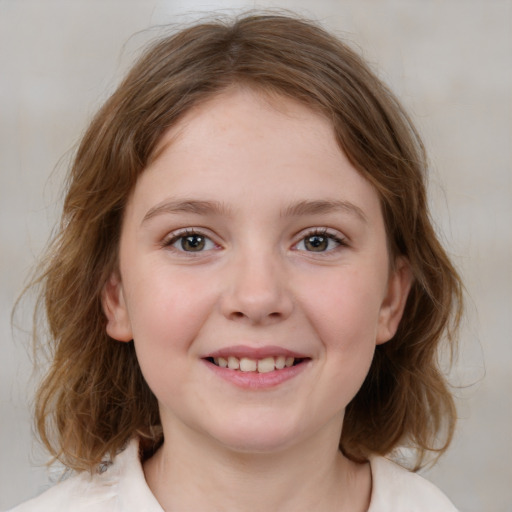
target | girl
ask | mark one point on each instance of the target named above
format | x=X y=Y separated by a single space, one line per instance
x=246 y=297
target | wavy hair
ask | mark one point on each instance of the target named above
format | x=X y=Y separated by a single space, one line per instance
x=94 y=397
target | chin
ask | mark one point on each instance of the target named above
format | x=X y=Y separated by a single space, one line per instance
x=258 y=437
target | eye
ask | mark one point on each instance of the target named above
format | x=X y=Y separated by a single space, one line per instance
x=190 y=241
x=319 y=241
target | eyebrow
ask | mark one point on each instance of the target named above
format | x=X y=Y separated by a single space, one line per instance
x=322 y=207
x=187 y=206
x=202 y=207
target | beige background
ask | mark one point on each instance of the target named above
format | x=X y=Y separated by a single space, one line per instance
x=451 y=63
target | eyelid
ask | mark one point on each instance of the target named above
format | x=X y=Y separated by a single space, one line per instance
x=330 y=233
x=172 y=237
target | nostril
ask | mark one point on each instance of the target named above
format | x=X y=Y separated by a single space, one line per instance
x=240 y=315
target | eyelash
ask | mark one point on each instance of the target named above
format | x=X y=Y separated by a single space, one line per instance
x=182 y=235
x=323 y=233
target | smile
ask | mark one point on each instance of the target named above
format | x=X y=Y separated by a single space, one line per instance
x=257 y=368
x=263 y=365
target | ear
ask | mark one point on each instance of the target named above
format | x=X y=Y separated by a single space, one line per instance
x=393 y=305
x=114 y=307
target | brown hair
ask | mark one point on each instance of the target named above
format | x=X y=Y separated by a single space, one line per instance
x=94 y=397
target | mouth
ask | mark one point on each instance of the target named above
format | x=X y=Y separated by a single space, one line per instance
x=263 y=365
x=257 y=368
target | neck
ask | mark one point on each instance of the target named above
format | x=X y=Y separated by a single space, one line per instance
x=191 y=473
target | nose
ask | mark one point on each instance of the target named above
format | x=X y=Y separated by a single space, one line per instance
x=257 y=291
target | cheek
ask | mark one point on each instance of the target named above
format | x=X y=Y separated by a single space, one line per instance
x=347 y=327
x=345 y=308
x=166 y=320
x=345 y=315
x=167 y=315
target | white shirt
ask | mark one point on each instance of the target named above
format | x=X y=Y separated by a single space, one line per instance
x=123 y=488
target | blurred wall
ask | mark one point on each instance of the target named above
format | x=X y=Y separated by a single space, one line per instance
x=450 y=62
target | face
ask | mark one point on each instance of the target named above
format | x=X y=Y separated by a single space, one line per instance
x=254 y=276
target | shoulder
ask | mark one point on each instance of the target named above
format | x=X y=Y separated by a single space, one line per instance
x=77 y=493
x=121 y=488
x=394 y=489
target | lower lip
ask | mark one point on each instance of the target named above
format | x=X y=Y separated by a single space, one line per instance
x=255 y=380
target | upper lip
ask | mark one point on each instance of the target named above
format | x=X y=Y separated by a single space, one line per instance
x=240 y=351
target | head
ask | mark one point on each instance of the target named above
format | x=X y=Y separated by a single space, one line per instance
x=94 y=395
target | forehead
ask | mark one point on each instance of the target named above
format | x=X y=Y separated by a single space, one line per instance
x=247 y=147
x=253 y=111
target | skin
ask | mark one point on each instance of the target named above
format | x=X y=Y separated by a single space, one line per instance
x=259 y=163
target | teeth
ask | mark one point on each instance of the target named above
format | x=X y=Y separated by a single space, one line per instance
x=245 y=364
x=266 y=365
x=233 y=363
x=248 y=365
x=280 y=362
